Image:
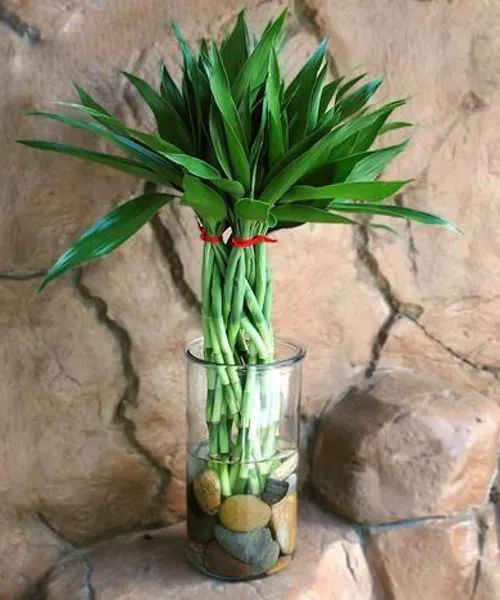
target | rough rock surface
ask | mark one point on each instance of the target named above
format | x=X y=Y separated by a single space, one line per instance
x=92 y=379
x=439 y=559
x=405 y=446
x=329 y=565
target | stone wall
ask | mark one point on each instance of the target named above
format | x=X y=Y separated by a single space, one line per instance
x=92 y=379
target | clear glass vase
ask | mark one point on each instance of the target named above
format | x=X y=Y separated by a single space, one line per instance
x=242 y=463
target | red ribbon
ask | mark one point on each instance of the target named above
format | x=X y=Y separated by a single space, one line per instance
x=212 y=239
x=256 y=239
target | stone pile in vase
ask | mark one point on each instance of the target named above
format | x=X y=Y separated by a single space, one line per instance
x=243 y=535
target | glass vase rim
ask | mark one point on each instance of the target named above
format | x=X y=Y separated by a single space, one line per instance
x=297 y=355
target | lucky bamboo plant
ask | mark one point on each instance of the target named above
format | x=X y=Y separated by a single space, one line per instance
x=250 y=154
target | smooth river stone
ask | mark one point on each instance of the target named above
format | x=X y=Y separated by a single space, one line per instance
x=244 y=513
x=221 y=563
x=274 y=491
x=255 y=547
x=281 y=564
x=284 y=523
x=207 y=491
x=292 y=484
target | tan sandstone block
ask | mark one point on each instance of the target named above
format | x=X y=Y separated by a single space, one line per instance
x=403 y=446
x=439 y=559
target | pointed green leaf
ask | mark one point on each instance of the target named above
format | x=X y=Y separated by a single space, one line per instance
x=194 y=165
x=150 y=159
x=254 y=71
x=236 y=47
x=235 y=136
x=394 y=125
x=355 y=101
x=313 y=158
x=327 y=94
x=169 y=122
x=116 y=162
x=218 y=140
x=108 y=233
x=373 y=191
x=273 y=97
x=170 y=91
x=348 y=85
x=372 y=165
x=394 y=211
x=87 y=100
x=298 y=213
x=299 y=94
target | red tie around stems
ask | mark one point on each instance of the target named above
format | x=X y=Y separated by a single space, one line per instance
x=256 y=239
x=238 y=242
x=212 y=239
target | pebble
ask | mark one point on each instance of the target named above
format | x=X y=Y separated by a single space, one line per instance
x=257 y=548
x=284 y=523
x=274 y=490
x=244 y=513
x=195 y=558
x=292 y=484
x=200 y=526
x=286 y=468
x=207 y=491
x=281 y=564
x=221 y=563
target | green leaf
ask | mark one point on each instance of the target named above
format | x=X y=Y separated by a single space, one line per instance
x=394 y=125
x=219 y=141
x=194 y=88
x=108 y=233
x=348 y=85
x=314 y=157
x=327 y=94
x=150 y=159
x=374 y=163
x=298 y=95
x=116 y=162
x=88 y=101
x=231 y=187
x=203 y=170
x=154 y=142
x=252 y=210
x=236 y=48
x=306 y=214
x=254 y=71
x=315 y=101
x=170 y=91
x=203 y=199
x=355 y=101
x=366 y=138
x=194 y=165
x=169 y=122
x=276 y=147
x=374 y=191
x=394 y=211
x=235 y=136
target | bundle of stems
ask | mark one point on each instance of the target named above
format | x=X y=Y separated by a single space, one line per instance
x=243 y=405
x=250 y=154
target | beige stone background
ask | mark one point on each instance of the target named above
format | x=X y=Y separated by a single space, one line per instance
x=92 y=373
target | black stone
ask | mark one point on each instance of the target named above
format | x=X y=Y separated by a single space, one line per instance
x=274 y=491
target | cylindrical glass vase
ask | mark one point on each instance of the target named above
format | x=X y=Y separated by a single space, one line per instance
x=242 y=460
